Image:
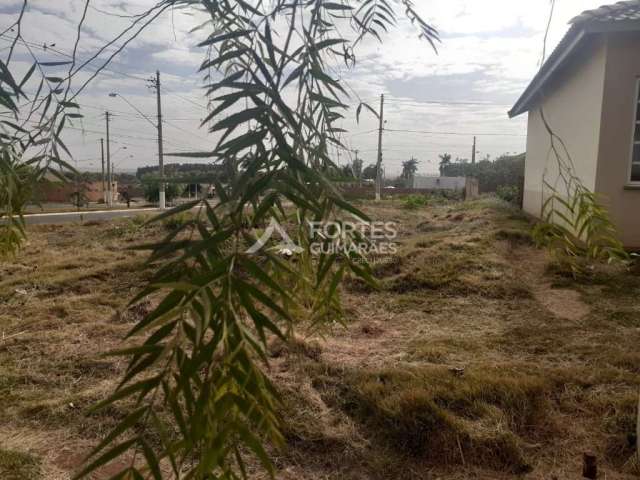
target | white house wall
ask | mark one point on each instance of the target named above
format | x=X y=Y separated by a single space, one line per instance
x=573 y=108
x=622 y=74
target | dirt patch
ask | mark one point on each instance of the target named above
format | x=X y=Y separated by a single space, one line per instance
x=563 y=303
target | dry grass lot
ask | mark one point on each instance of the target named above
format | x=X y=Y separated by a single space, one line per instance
x=474 y=360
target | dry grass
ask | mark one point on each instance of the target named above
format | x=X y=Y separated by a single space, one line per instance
x=62 y=305
x=17 y=465
x=474 y=360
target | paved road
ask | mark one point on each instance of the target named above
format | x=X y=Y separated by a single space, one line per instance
x=86 y=216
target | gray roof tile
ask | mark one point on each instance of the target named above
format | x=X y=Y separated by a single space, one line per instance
x=621 y=11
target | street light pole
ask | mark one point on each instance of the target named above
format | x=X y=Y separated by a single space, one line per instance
x=160 y=153
x=109 y=179
x=379 y=180
x=104 y=183
x=154 y=83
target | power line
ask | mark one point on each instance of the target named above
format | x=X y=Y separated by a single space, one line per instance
x=104 y=12
x=47 y=49
x=185 y=130
x=55 y=51
x=447 y=102
x=122 y=113
x=426 y=132
x=491 y=134
x=375 y=130
x=169 y=92
x=120 y=135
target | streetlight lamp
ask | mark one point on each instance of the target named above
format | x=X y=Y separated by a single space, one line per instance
x=120 y=162
x=115 y=94
x=118 y=151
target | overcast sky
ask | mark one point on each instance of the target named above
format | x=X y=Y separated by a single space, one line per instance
x=434 y=103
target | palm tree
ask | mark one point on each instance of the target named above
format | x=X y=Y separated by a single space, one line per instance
x=445 y=161
x=409 y=168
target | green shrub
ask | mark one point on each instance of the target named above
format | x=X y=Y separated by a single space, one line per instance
x=123 y=228
x=152 y=191
x=413 y=202
x=509 y=193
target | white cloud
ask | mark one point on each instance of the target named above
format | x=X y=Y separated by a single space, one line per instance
x=180 y=56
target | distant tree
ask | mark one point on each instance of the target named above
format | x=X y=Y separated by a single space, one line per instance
x=504 y=171
x=460 y=167
x=152 y=191
x=79 y=198
x=181 y=170
x=445 y=161
x=125 y=178
x=347 y=172
x=409 y=168
x=339 y=173
x=82 y=176
x=356 y=168
x=370 y=173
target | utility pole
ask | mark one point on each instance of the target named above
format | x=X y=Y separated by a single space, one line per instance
x=360 y=166
x=104 y=183
x=155 y=83
x=379 y=163
x=109 y=178
x=473 y=153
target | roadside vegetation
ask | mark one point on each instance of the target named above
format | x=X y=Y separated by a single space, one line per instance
x=477 y=356
x=506 y=171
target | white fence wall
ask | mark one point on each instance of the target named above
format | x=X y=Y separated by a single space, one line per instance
x=439 y=183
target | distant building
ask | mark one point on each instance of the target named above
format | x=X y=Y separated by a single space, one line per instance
x=589 y=91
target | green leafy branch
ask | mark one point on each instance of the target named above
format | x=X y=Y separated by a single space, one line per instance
x=575 y=226
x=197 y=388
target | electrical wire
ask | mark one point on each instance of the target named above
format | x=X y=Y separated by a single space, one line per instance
x=469 y=134
x=419 y=103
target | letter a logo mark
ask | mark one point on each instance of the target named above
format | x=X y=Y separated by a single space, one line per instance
x=287 y=245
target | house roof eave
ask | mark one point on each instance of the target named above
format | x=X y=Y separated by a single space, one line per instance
x=565 y=48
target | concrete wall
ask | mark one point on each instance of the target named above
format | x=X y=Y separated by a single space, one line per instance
x=439 y=183
x=573 y=108
x=622 y=74
x=471 y=188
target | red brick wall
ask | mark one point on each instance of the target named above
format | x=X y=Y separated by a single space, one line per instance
x=58 y=192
